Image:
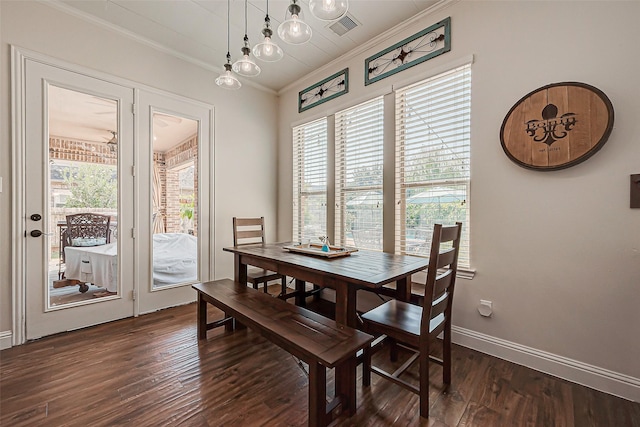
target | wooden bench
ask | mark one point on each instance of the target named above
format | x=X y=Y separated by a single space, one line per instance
x=317 y=340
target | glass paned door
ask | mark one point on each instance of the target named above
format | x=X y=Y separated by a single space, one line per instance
x=174 y=238
x=78 y=184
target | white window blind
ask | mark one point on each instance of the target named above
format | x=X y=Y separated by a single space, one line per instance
x=432 y=160
x=310 y=180
x=359 y=158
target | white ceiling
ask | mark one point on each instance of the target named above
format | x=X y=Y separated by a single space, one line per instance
x=196 y=30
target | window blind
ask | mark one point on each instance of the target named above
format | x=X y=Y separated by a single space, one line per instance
x=359 y=157
x=310 y=180
x=432 y=160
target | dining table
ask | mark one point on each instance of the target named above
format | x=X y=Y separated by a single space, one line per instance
x=363 y=269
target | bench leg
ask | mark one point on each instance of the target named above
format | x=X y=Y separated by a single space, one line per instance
x=203 y=326
x=317 y=395
x=345 y=383
x=366 y=366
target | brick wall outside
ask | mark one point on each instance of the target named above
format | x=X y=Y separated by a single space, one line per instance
x=79 y=151
x=172 y=162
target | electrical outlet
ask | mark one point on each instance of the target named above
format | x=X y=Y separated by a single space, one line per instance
x=485 y=308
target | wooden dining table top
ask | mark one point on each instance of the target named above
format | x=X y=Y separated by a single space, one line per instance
x=364 y=268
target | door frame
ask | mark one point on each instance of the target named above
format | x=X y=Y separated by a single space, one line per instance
x=19 y=58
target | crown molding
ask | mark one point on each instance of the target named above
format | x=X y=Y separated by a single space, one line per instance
x=381 y=38
x=57 y=4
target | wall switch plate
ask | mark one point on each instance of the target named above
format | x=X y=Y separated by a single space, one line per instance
x=635 y=191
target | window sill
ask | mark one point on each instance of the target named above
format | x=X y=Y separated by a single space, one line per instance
x=464 y=273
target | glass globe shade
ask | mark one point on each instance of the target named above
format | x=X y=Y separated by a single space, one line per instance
x=294 y=31
x=328 y=10
x=268 y=51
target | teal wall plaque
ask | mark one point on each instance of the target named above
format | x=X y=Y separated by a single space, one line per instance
x=329 y=88
x=428 y=43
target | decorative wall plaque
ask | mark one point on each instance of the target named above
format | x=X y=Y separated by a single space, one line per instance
x=428 y=43
x=557 y=126
x=329 y=88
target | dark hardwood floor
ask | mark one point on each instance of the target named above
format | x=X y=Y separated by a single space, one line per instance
x=151 y=371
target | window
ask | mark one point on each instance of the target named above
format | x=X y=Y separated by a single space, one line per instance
x=310 y=180
x=359 y=158
x=432 y=160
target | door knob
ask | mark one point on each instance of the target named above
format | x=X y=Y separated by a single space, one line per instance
x=38 y=233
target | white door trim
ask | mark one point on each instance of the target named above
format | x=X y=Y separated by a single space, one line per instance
x=18 y=277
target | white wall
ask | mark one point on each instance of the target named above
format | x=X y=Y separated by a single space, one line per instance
x=557 y=252
x=245 y=137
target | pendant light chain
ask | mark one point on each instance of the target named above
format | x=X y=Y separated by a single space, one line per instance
x=228 y=30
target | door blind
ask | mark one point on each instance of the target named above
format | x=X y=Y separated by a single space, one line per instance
x=310 y=180
x=432 y=160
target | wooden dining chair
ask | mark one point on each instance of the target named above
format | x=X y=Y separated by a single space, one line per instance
x=250 y=231
x=418 y=326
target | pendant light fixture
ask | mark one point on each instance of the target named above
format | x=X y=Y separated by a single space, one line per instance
x=293 y=29
x=246 y=66
x=328 y=10
x=267 y=50
x=227 y=80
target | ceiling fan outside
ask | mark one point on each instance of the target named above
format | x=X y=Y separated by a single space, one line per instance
x=164 y=120
x=113 y=142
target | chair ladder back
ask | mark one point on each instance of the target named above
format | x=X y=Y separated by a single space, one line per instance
x=440 y=284
x=446 y=257
x=443 y=282
x=248 y=231
x=449 y=234
x=439 y=305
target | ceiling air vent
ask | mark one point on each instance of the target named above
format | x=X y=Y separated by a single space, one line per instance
x=343 y=25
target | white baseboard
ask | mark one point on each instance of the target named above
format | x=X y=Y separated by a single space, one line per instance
x=5 y=340
x=575 y=371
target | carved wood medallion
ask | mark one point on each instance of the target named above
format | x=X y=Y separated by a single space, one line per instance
x=557 y=126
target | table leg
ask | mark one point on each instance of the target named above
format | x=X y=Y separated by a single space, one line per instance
x=239 y=270
x=202 y=318
x=346 y=305
x=301 y=288
x=403 y=288
x=240 y=276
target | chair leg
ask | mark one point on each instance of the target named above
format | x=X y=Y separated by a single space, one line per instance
x=446 y=356
x=266 y=288
x=283 y=291
x=393 y=349
x=424 y=380
x=366 y=367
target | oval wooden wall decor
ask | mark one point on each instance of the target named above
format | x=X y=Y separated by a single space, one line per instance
x=557 y=126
